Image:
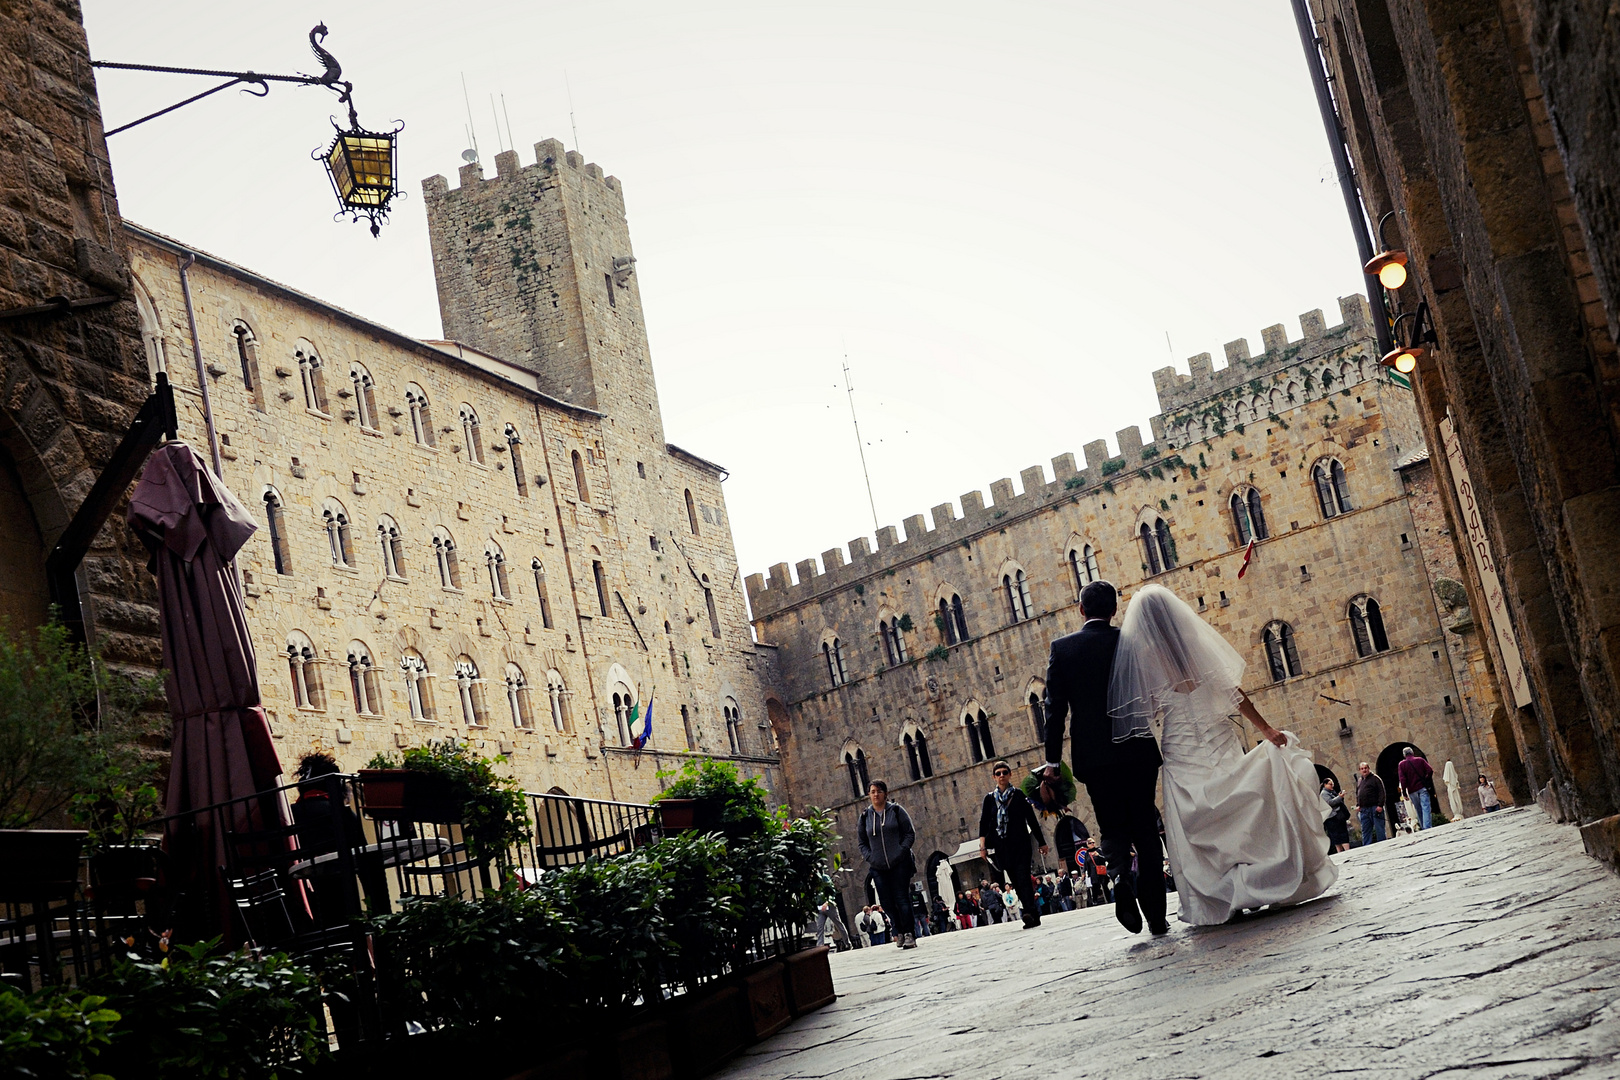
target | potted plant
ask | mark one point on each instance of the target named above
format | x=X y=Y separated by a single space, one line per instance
x=711 y=796
x=448 y=782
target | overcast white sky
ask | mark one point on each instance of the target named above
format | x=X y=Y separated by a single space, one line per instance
x=1000 y=210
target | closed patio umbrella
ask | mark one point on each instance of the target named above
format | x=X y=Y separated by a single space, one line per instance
x=1453 y=791
x=221 y=748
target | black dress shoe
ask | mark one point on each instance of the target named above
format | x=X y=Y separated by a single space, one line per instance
x=1160 y=928
x=1125 y=909
x=1031 y=922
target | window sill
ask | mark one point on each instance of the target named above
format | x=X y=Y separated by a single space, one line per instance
x=347 y=569
x=457 y=590
x=317 y=413
x=396 y=579
x=373 y=432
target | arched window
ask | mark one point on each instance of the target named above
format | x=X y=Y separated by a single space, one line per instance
x=393 y=547
x=1247 y=516
x=1150 y=551
x=364 y=685
x=945 y=623
x=304 y=668
x=338 y=537
x=1083 y=564
x=1367 y=626
x=1332 y=487
x=855 y=763
x=514 y=445
x=1167 y=546
x=959 y=615
x=832 y=650
x=917 y=760
x=417 y=688
x=686 y=724
x=470 y=434
x=495 y=560
x=365 y=396
x=470 y=689
x=542 y=592
x=416 y=402
x=151 y=334
x=247 y=355
x=276 y=518
x=311 y=375
x=894 y=642
x=621 y=713
x=1282 y=656
x=733 y=726
x=714 y=612
x=691 y=512
x=557 y=696
x=579 y=478
x=1037 y=716
x=517 y=697
x=444 y=554
x=1016 y=586
x=981 y=746
x=601 y=587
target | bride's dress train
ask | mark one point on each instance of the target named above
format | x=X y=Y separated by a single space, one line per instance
x=1243 y=829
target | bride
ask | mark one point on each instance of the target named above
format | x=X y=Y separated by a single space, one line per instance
x=1243 y=829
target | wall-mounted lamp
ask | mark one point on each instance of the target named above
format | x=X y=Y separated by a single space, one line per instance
x=1404 y=358
x=1390 y=264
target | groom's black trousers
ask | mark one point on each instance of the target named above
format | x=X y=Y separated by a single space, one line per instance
x=1126 y=815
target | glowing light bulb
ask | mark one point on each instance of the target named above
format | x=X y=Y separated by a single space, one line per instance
x=1392 y=275
x=1406 y=362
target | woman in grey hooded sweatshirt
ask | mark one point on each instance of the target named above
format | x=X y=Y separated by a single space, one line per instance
x=885 y=834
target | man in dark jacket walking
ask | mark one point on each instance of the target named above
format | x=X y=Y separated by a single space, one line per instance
x=885 y=834
x=1370 y=799
x=1415 y=775
x=1006 y=824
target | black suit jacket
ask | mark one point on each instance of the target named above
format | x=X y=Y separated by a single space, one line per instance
x=1077 y=699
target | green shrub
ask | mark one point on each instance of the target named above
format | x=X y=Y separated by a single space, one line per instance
x=221 y=1016
x=445 y=961
x=621 y=926
x=53 y=1033
x=702 y=908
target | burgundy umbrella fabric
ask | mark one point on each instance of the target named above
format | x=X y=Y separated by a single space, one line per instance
x=221 y=748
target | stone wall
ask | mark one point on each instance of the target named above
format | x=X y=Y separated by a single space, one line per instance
x=1500 y=185
x=1332 y=402
x=70 y=381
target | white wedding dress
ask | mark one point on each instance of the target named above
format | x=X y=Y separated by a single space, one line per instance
x=1243 y=829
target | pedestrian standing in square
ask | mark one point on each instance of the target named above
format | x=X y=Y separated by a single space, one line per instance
x=1414 y=774
x=1488 y=801
x=885 y=835
x=1370 y=799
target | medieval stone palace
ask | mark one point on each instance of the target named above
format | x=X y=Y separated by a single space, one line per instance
x=485 y=537
x=922 y=661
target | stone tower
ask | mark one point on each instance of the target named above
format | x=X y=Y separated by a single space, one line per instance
x=536 y=268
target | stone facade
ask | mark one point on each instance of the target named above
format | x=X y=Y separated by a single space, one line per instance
x=1500 y=189
x=70 y=380
x=589 y=555
x=1257 y=430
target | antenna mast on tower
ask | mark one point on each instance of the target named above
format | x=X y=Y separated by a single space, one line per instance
x=849 y=387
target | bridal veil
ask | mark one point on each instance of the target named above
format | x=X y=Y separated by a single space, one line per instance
x=1166 y=649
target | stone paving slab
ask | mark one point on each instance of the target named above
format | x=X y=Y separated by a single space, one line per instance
x=1488 y=949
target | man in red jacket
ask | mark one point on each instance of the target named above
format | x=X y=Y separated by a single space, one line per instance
x=1414 y=774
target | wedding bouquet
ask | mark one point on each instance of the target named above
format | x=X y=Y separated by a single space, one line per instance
x=1053 y=796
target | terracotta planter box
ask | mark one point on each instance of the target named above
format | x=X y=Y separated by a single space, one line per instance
x=809 y=980
x=677 y=815
x=405 y=794
x=768 y=1007
x=707 y=1028
x=639 y=1052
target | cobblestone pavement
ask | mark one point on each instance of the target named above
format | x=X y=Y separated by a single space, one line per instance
x=1486 y=950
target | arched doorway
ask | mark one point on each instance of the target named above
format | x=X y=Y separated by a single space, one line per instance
x=1324 y=773
x=1388 y=770
x=931 y=877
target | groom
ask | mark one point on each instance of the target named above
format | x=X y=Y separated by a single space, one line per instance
x=1120 y=777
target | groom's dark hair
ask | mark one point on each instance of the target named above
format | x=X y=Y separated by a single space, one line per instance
x=1100 y=600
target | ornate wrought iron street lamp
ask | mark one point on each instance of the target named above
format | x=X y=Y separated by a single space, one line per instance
x=361 y=164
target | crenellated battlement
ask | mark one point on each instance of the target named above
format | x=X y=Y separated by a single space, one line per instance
x=1177 y=391
x=1206 y=403
x=550 y=161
